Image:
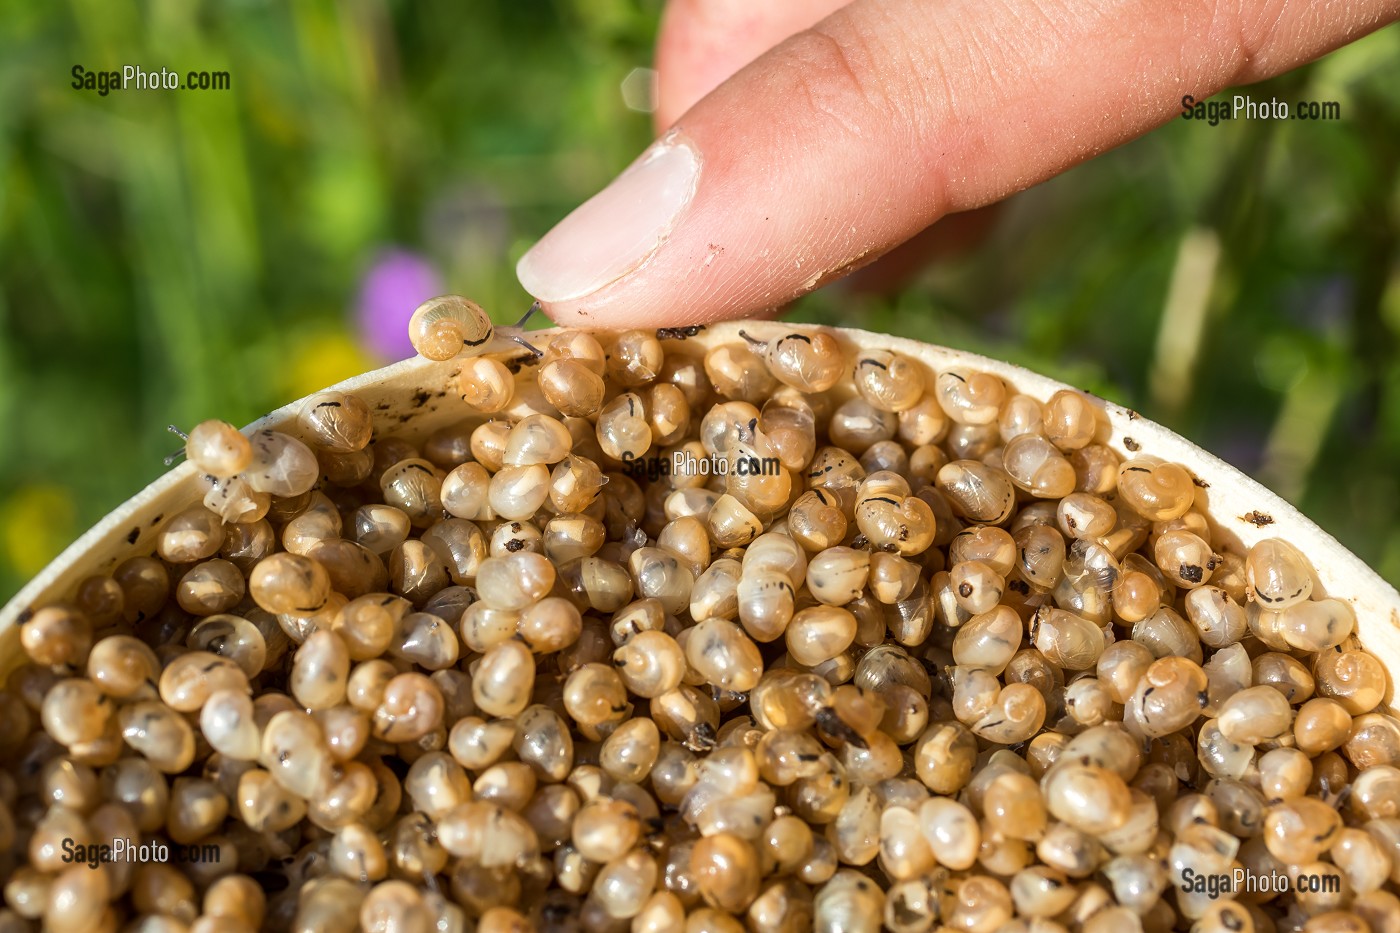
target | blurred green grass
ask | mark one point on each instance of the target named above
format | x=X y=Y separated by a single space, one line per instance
x=166 y=257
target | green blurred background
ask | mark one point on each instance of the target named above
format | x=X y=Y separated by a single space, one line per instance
x=171 y=256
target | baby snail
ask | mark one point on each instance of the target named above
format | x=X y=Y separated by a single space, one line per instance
x=216 y=448
x=807 y=362
x=449 y=326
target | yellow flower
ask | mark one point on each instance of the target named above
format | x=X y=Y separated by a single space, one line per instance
x=323 y=358
x=36 y=522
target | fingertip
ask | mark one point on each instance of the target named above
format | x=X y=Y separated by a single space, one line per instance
x=618 y=230
x=570 y=314
x=660 y=312
x=736 y=211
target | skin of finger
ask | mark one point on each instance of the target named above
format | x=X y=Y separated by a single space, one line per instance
x=953 y=236
x=702 y=43
x=851 y=137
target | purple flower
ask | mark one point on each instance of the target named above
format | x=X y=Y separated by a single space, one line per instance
x=397 y=282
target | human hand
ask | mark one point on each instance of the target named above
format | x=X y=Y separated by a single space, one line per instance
x=853 y=128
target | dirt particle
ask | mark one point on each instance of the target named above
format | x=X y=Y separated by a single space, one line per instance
x=678 y=333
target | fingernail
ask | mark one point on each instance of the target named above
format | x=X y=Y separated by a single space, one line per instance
x=616 y=230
